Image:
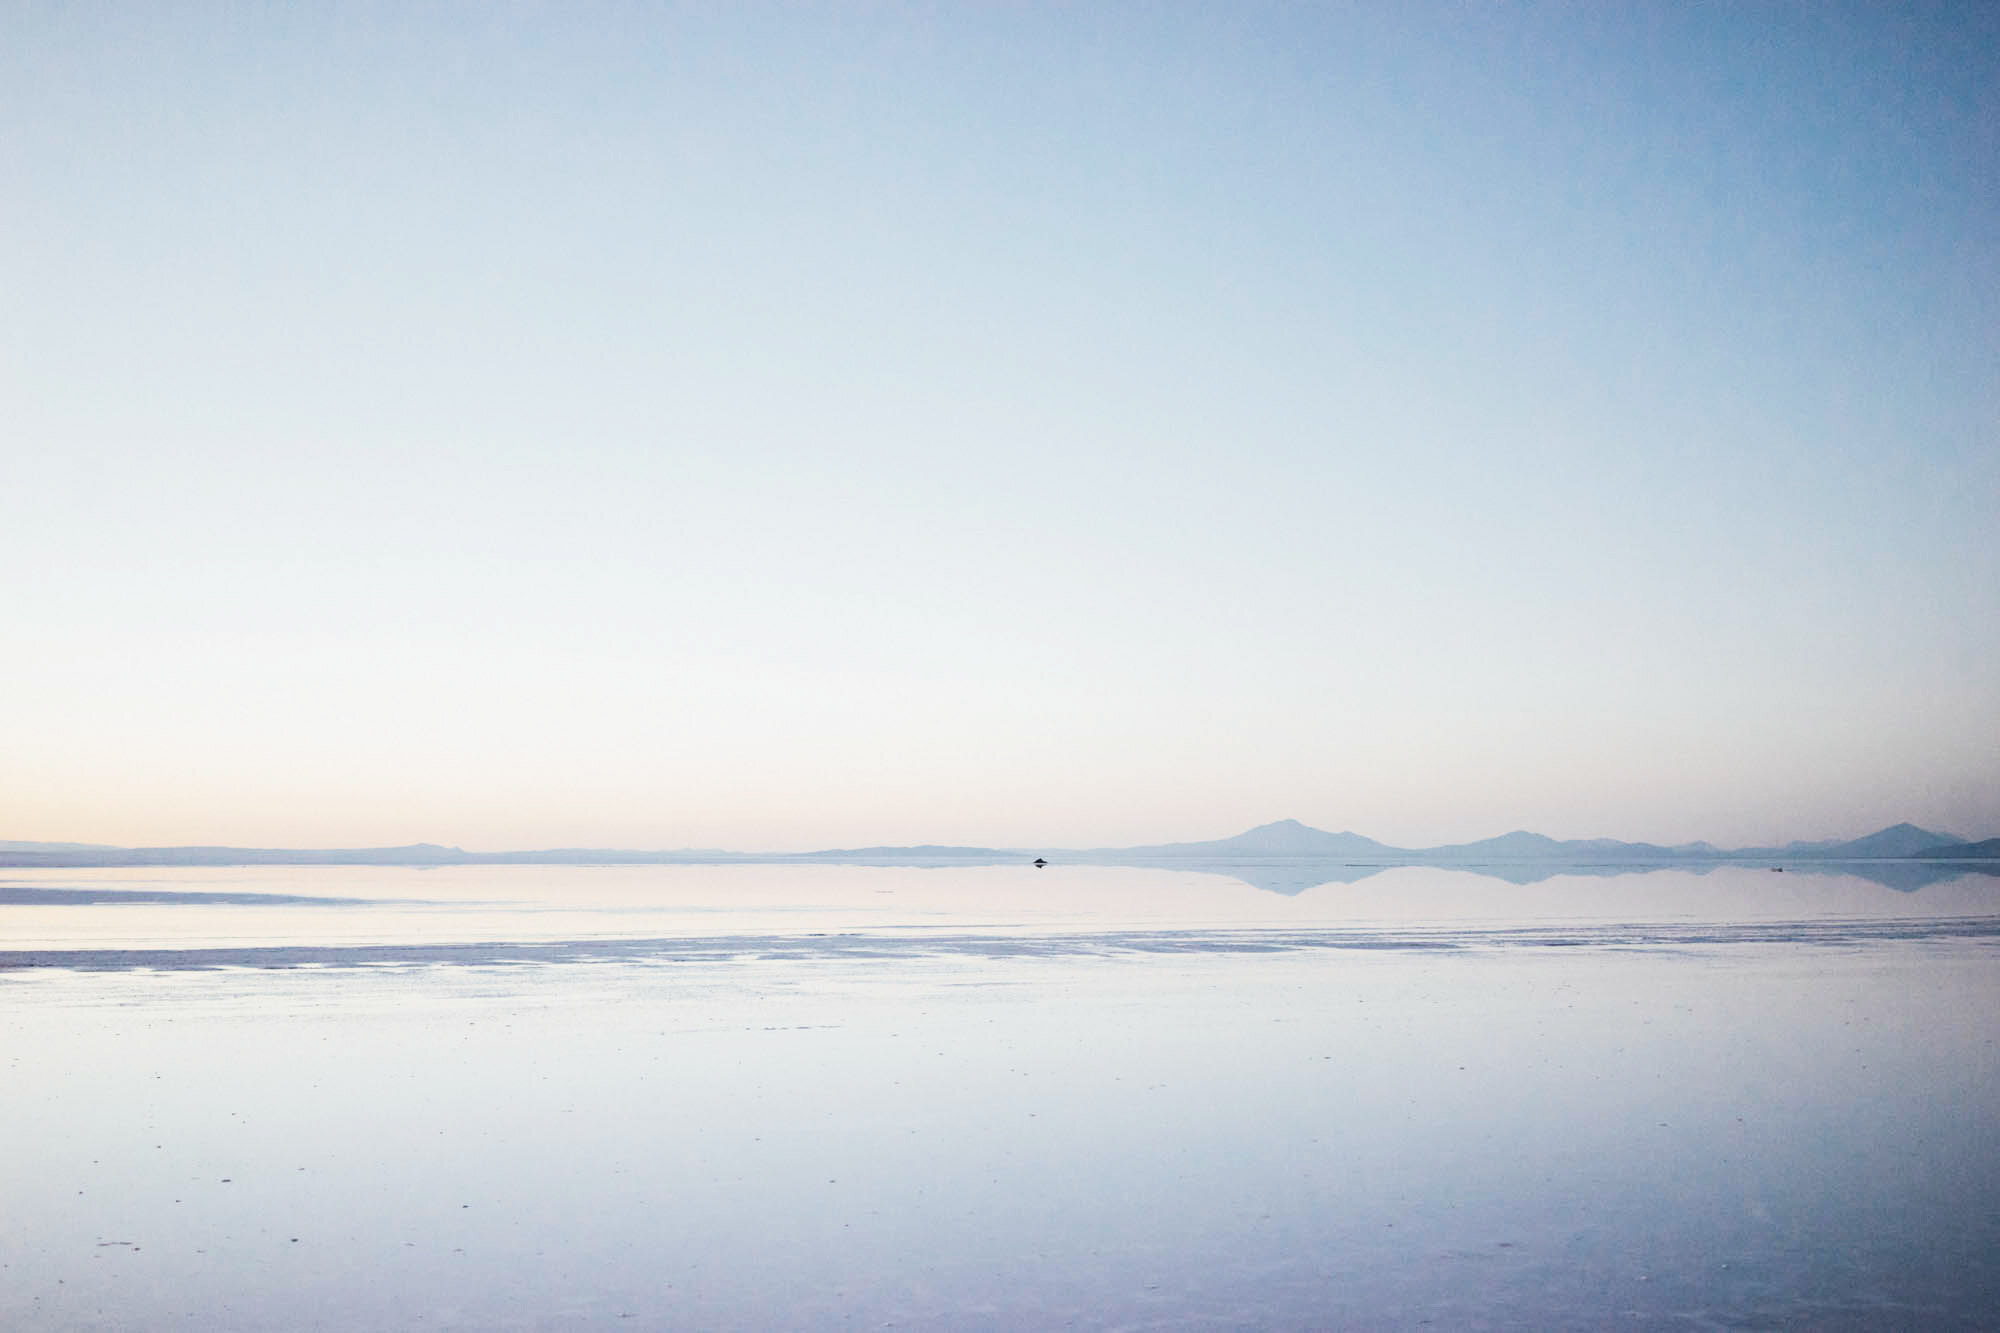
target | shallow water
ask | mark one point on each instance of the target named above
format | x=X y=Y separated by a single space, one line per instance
x=810 y=1096
x=322 y=906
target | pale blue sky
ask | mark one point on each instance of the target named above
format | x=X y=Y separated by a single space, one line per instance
x=666 y=426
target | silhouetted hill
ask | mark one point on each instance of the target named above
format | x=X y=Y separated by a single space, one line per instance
x=1989 y=850
x=1525 y=846
x=1898 y=840
x=1287 y=837
x=1894 y=841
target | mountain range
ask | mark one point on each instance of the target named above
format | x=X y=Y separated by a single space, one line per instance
x=1286 y=839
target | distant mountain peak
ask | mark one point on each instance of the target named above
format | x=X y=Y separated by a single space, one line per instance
x=1936 y=837
x=1284 y=837
x=1903 y=839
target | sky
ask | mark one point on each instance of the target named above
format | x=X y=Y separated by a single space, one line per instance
x=783 y=427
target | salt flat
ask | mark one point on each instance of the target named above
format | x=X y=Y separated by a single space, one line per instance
x=820 y=1097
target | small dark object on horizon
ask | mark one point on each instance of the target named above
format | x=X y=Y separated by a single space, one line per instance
x=1039 y=863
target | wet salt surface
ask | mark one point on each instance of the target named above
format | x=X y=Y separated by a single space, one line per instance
x=339 y=906
x=1589 y=1112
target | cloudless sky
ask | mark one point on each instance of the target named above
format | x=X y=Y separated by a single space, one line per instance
x=781 y=427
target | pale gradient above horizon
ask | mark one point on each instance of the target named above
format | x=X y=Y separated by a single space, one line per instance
x=659 y=428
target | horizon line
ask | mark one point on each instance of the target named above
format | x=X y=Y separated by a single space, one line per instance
x=1696 y=848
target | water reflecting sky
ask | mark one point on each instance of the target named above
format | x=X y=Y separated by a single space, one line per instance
x=334 y=905
x=999 y=1098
